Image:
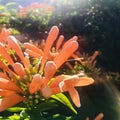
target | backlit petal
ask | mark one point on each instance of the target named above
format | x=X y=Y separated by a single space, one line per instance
x=46 y=92
x=99 y=116
x=32 y=53
x=9 y=85
x=4 y=53
x=50 y=69
x=36 y=83
x=3 y=75
x=79 y=81
x=19 y=69
x=59 y=42
x=33 y=48
x=49 y=42
x=12 y=42
x=74 y=96
x=10 y=101
x=6 y=92
x=4 y=67
x=70 y=40
x=57 y=80
x=65 y=53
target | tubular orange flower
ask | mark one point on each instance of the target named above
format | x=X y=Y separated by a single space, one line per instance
x=33 y=48
x=59 y=42
x=22 y=79
x=10 y=93
x=66 y=83
x=6 y=92
x=4 y=34
x=9 y=85
x=49 y=42
x=19 y=69
x=32 y=53
x=63 y=55
x=60 y=55
x=3 y=75
x=12 y=42
x=9 y=101
x=36 y=83
x=4 y=67
x=50 y=69
x=4 y=53
x=99 y=116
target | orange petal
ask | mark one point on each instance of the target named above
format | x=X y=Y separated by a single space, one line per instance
x=9 y=101
x=65 y=53
x=6 y=92
x=96 y=53
x=49 y=42
x=55 y=90
x=50 y=69
x=70 y=40
x=59 y=42
x=4 y=53
x=46 y=92
x=36 y=83
x=4 y=34
x=12 y=42
x=19 y=69
x=3 y=75
x=74 y=96
x=9 y=85
x=32 y=53
x=82 y=81
x=99 y=116
x=77 y=58
x=33 y=48
x=4 y=67
x=57 y=80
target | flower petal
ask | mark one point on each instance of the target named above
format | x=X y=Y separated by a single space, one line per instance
x=59 y=42
x=12 y=42
x=19 y=69
x=50 y=69
x=4 y=67
x=33 y=48
x=99 y=116
x=49 y=42
x=74 y=96
x=6 y=92
x=4 y=34
x=61 y=78
x=36 y=83
x=32 y=53
x=3 y=75
x=46 y=92
x=74 y=38
x=65 y=53
x=9 y=101
x=4 y=53
x=80 y=81
x=9 y=85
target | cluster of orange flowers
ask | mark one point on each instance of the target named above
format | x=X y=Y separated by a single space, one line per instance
x=19 y=78
x=39 y=7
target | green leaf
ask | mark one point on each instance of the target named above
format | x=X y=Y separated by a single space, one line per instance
x=15 y=109
x=47 y=105
x=14 y=117
x=64 y=100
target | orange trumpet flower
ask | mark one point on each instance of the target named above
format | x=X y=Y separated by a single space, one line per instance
x=10 y=94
